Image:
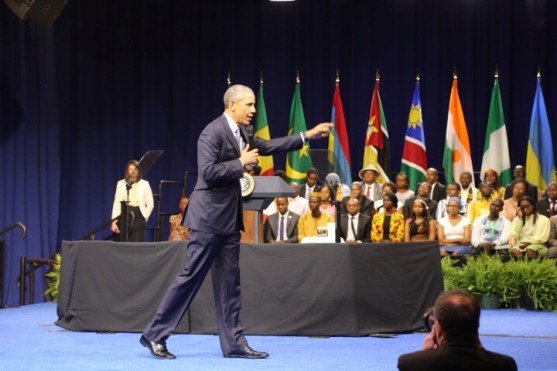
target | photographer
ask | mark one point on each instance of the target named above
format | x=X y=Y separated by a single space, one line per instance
x=453 y=342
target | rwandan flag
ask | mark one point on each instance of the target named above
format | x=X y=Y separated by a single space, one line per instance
x=540 y=167
x=297 y=162
x=262 y=131
x=414 y=159
x=338 y=151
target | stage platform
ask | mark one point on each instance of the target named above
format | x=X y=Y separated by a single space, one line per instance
x=31 y=341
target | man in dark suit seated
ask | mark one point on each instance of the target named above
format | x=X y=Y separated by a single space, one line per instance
x=423 y=192
x=311 y=184
x=281 y=226
x=366 y=205
x=354 y=225
x=453 y=342
x=548 y=205
x=519 y=172
x=438 y=190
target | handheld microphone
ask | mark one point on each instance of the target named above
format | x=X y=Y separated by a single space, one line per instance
x=250 y=131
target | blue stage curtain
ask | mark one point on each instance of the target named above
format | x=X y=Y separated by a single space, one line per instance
x=113 y=79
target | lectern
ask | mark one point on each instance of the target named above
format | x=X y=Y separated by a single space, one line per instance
x=265 y=191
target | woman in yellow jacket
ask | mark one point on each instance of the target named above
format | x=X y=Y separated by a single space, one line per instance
x=388 y=225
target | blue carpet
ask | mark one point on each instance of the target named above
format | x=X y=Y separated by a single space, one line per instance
x=33 y=342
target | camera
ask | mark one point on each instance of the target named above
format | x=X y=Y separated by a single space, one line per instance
x=429 y=319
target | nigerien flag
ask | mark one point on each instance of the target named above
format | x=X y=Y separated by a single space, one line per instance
x=338 y=151
x=540 y=166
x=496 y=147
x=376 y=148
x=414 y=159
x=297 y=162
x=456 y=156
x=262 y=131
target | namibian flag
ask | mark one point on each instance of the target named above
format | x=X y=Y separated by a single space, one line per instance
x=338 y=149
x=414 y=160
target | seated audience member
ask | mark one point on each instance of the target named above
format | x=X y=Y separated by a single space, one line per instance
x=327 y=205
x=492 y=177
x=548 y=205
x=298 y=205
x=453 y=190
x=370 y=187
x=177 y=231
x=309 y=222
x=281 y=174
x=403 y=193
x=388 y=226
x=423 y=193
x=454 y=342
x=529 y=233
x=552 y=242
x=282 y=226
x=419 y=226
x=480 y=207
x=519 y=172
x=491 y=233
x=354 y=226
x=312 y=178
x=342 y=190
x=438 y=191
x=366 y=205
x=510 y=206
x=468 y=193
x=454 y=231
x=388 y=187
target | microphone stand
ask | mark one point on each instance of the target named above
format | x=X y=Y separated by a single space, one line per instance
x=337 y=204
x=124 y=207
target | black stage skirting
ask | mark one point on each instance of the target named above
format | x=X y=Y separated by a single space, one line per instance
x=290 y=289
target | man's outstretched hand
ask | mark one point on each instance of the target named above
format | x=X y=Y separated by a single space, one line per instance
x=319 y=131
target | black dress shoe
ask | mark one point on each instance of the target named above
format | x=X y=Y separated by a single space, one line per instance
x=246 y=352
x=158 y=350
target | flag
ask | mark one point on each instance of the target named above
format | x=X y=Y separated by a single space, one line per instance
x=496 y=147
x=414 y=159
x=540 y=168
x=376 y=149
x=297 y=162
x=457 y=156
x=338 y=151
x=262 y=131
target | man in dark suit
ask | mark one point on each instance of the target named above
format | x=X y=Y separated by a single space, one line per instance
x=311 y=184
x=438 y=191
x=519 y=172
x=548 y=205
x=366 y=205
x=453 y=342
x=423 y=192
x=281 y=226
x=355 y=226
x=214 y=216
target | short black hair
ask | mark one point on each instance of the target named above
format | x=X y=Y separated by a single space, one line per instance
x=458 y=313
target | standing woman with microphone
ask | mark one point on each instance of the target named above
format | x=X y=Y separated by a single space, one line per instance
x=138 y=194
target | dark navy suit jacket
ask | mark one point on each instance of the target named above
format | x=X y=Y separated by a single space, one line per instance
x=215 y=205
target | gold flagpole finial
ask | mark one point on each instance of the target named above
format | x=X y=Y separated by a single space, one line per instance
x=455 y=75
x=337 y=79
x=228 y=80
x=377 y=76
x=298 y=77
x=539 y=73
x=418 y=75
x=261 y=77
x=496 y=72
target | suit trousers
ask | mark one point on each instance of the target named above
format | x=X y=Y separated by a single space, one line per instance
x=222 y=251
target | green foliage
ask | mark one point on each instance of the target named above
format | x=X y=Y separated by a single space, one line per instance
x=533 y=278
x=53 y=278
